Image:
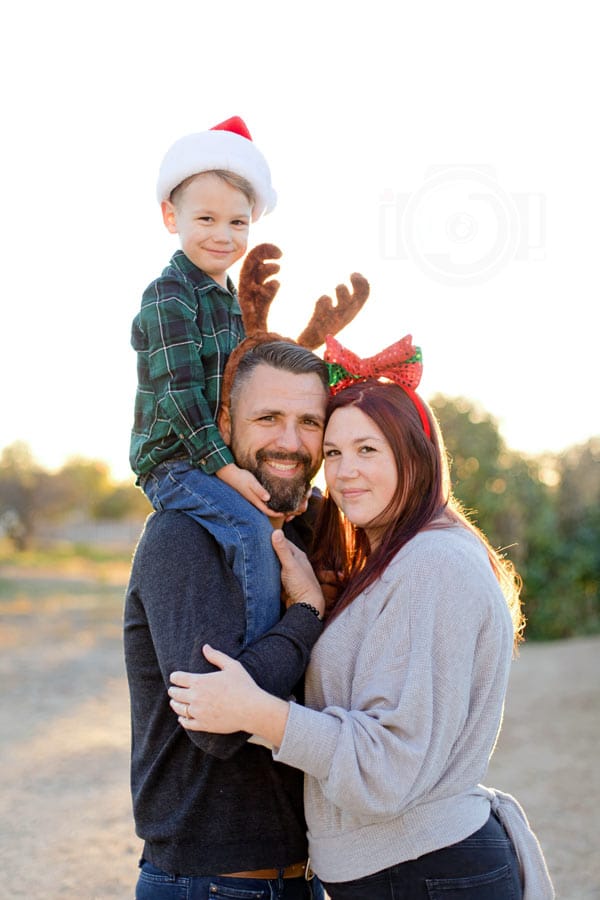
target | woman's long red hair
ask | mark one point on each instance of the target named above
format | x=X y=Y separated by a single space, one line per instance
x=423 y=499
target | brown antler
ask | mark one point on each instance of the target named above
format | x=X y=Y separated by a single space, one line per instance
x=255 y=292
x=257 y=288
x=329 y=319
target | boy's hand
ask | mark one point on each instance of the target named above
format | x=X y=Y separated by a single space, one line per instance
x=247 y=485
x=301 y=508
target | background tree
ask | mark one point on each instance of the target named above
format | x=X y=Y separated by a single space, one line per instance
x=578 y=513
x=500 y=489
x=543 y=513
x=29 y=495
x=22 y=488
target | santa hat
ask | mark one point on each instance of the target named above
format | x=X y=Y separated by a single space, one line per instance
x=227 y=146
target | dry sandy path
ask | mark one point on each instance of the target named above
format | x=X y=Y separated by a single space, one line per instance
x=67 y=830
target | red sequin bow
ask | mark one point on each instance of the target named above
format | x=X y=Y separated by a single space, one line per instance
x=401 y=363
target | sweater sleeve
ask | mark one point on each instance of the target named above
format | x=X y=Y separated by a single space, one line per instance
x=186 y=595
x=410 y=695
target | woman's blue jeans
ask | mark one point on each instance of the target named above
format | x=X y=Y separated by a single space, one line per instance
x=153 y=884
x=482 y=867
x=243 y=532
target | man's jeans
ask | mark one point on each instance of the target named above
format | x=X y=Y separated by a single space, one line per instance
x=482 y=867
x=156 y=885
x=243 y=532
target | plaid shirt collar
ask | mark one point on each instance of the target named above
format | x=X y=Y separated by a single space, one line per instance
x=204 y=282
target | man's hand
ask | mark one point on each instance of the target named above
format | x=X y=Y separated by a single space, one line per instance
x=299 y=582
x=248 y=486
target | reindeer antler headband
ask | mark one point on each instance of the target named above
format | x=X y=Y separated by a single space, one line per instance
x=401 y=363
x=257 y=288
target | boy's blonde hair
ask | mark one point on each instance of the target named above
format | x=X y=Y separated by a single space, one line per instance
x=235 y=181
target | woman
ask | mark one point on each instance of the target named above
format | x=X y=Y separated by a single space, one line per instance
x=405 y=688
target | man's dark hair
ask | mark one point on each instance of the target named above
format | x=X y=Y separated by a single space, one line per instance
x=280 y=355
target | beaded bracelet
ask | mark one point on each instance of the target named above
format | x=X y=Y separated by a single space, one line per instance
x=313 y=610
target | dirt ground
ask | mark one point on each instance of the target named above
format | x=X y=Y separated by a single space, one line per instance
x=67 y=830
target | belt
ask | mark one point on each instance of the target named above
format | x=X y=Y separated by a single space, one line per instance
x=296 y=870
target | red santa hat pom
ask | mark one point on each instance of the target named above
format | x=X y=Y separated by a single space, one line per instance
x=228 y=146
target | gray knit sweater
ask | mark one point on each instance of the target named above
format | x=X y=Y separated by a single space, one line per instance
x=404 y=694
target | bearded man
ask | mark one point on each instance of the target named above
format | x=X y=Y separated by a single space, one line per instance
x=215 y=812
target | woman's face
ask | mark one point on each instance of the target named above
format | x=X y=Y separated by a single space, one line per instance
x=360 y=468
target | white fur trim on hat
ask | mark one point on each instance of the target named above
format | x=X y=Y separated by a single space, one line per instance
x=225 y=150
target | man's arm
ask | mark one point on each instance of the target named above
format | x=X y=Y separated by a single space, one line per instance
x=190 y=597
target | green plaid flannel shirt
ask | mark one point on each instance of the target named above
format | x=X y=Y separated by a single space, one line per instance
x=186 y=329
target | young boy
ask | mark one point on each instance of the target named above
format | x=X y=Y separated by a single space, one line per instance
x=211 y=185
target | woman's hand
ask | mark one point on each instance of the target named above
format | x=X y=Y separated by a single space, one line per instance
x=226 y=701
x=214 y=702
x=299 y=582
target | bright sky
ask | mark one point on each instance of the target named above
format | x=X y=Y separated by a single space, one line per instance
x=448 y=151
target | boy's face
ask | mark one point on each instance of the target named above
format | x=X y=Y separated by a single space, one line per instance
x=212 y=219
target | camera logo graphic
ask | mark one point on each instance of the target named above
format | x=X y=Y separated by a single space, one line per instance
x=461 y=227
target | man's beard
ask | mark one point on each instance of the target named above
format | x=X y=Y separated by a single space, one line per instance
x=286 y=493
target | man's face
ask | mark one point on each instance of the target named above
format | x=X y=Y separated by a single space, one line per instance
x=275 y=430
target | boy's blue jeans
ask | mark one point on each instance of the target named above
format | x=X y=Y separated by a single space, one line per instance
x=243 y=532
